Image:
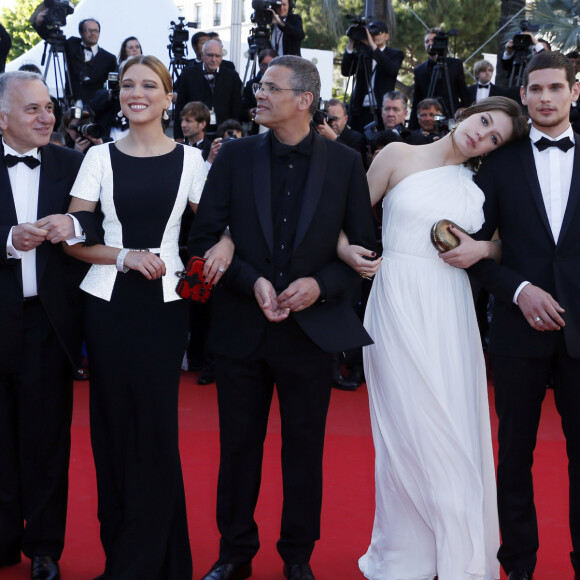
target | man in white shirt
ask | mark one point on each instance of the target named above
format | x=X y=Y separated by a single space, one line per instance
x=532 y=195
x=41 y=326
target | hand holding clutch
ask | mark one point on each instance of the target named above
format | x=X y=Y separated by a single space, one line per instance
x=442 y=238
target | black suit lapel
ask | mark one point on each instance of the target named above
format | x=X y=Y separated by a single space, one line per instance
x=6 y=197
x=262 y=187
x=313 y=187
x=574 y=190
x=531 y=175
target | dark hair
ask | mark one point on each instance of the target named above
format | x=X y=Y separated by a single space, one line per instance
x=304 y=77
x=550 y=59
x=573 y=54
x=396 y=96
x=428 y=103
x=195 y=38
x=123 y=51
x=198 y=110
x=334 y=102
x=266 y=52
x=228 y=125
x=511 y=108
x=82 y=23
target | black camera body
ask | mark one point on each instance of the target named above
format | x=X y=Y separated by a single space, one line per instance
x=88 y=130
x=57 y=12
x=357 y=30
x=178 y=39
x=113 y=82
x=522 y=42
x=262 y=15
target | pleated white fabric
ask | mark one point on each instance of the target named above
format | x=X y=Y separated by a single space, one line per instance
x=436 y=508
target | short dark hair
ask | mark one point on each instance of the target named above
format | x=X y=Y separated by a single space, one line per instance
x=304 y=77
x=334 y=102
x=428 y=103
x=396 y=96
x=266 y=52
x=228 y=125
x=198 y=110
x=195 y=38
x=550 y=59
x=82 y=24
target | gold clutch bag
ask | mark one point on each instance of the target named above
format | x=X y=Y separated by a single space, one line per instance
x=442 y=238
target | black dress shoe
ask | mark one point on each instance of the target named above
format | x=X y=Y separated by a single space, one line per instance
x=206 y=377
x=227 y=571
x=516 y=575
x=298 y=572
x=44 y=568
x=343 y=384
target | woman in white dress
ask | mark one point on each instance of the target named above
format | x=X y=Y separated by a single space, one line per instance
x=436 y=509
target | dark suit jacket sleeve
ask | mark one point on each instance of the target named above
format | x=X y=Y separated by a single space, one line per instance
x=182 y=100
x=212 y=218
x=460 y=86
x=293 y=27
x=494 y=277
x=388 y=61
x=236 y=98
x=359 y=228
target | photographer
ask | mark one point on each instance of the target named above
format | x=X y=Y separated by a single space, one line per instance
x=376 y=67
x=335 y=127
x=88 y=64
x=436 y=43
x=523 y=45
x=287 y=31
x=79 y=130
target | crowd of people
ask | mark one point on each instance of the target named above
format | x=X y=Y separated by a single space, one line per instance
x=98 y=225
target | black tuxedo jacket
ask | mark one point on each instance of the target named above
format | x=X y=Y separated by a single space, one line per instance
x=459 y=94
x=58 y=275
x=226 y=98
x=87 y=77
x=494 y=91
x=514 y=205
x=237 y=194
x=292 y=35
x=354 y=140
x=387 y=68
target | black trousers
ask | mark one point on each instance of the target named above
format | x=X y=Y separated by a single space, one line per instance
x=35 y=421
x=520 y=388
x=302 y=375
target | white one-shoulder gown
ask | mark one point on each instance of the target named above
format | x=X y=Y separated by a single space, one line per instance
x=436 y=508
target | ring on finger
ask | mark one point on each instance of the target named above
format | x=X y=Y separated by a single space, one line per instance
x=222 y=270
x=537 y=320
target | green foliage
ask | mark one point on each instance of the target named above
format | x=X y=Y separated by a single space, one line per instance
x=17 y=23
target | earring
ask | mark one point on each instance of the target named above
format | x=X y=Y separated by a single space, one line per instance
x=120 y=114
x=165 y=116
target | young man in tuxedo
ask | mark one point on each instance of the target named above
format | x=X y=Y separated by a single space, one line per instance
x=285 y=196
x=483 y=71
x=532 y=194
x=41 y=326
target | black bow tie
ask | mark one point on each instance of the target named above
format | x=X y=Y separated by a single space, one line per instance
x=564 y=144
x=482 y=86
x=12 y=160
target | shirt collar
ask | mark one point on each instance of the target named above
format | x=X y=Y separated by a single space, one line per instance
x=281 y=150
x=35 y=152
x=94 y=49
x=536 y=134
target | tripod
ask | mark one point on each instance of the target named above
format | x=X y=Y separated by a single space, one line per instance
x=519 y=65
x=258 y=40
x=57 y=56
x=440 y=70
x=361 y=63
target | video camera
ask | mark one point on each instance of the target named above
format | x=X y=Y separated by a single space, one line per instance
x=262 y=15
x=57 y=12
x=178 y=39
x=358 y=26
x=522 y=42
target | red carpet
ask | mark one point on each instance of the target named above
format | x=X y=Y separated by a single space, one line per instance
x=348 y=495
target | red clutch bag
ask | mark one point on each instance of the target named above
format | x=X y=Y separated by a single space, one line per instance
x=192 y=284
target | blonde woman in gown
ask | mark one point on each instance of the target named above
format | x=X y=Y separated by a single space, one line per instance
x=436 y=511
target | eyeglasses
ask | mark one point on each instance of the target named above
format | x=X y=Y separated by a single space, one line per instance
x=91 y=30
x=209 y=55
x=271 y=89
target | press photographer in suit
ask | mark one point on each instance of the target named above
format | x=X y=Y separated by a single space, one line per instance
x=423 y=73
x=375 y=66
x=287 y=33
x=285 y=196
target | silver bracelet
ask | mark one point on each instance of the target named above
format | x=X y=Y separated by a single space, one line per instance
x=121 y=260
